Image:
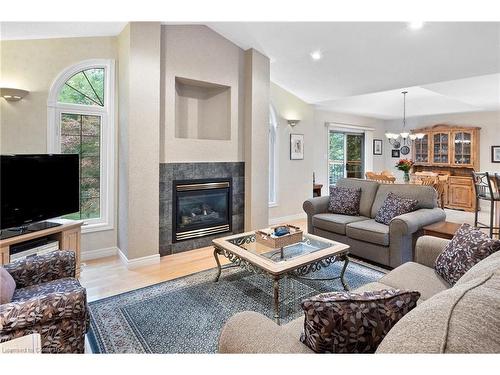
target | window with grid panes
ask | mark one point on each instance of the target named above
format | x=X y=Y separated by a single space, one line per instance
x=80 y=133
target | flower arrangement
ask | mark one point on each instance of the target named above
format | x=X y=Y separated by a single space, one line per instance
x=404 y=165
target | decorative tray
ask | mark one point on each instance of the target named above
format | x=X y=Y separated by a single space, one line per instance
x=268 y=238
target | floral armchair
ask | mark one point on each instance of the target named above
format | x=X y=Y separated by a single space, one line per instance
x=47 y=300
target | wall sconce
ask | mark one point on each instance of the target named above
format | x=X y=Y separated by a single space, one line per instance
x=293 y=123
x=12 y=95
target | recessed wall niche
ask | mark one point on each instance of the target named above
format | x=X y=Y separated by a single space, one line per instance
x=202 y=110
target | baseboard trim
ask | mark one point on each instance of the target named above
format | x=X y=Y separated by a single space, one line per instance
x=139 y=262
x=283 y=219
x=99 y=253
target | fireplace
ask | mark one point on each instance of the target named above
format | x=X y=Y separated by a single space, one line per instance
x=201 y=208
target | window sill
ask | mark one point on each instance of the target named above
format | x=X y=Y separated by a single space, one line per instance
x=95 y=227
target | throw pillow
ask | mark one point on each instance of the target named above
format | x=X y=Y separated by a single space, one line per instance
x=7 y=286
x=468 y=246
x=394 y=205
x=344 y=201
x=347 y=322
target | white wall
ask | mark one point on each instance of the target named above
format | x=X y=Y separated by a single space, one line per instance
x=294 y=182
x=294 y=177
x=489 y=122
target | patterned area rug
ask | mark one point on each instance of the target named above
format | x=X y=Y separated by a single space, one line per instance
x=185 y=315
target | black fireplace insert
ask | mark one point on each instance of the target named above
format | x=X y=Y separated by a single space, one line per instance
x=201 y=208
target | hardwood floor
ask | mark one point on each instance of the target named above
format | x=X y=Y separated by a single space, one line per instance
x=109 y=276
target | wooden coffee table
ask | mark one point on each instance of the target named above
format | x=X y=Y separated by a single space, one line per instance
x=311 y=254
x=442 y=229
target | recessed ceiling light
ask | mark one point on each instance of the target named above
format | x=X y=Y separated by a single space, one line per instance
x=415 y=25
x=316 y=55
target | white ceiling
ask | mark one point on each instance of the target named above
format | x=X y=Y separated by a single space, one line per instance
x=380 y=59
x=447 y=67
x=45 y=30
x=475 y=94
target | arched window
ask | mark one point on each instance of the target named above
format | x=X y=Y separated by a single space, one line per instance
x=273 y=156
x=81 y=121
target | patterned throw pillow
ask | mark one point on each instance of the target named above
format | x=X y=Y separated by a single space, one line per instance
x=344 y=201
x=393 y=206
x=347 y=322
x=467 y=247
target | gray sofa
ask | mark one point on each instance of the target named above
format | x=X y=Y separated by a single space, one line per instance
x=461 y=319
x=390 y=245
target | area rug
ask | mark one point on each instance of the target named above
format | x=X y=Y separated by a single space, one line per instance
x=186 y=315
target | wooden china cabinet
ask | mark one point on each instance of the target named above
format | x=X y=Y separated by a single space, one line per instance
x=453 y=151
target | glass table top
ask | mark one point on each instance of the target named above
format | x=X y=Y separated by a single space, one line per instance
x=306 y=246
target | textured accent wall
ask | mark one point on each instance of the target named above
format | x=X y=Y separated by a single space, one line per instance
x=170 y=172
x=139 y=134
x=256 y=140
x=196 y=52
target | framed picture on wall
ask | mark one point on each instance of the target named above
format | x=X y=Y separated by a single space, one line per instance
x=377 y=147
x=396 y=154
x=495 y=154
x=296 y=146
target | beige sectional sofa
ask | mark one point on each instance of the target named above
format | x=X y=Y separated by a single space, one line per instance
x=390 y=245
x=461 y=319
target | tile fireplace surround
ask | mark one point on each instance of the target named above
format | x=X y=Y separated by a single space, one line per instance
x=170 y=172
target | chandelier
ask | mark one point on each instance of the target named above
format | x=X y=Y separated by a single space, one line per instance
x=406 y=137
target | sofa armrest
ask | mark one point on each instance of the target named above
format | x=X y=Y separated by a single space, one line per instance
x=428 y=249
x=313 y=206
x=412 y=222
x=42 y=268
x=316 y=205
x=51 y=308
x=251 y=332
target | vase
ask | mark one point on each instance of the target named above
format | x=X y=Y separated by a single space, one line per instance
x=406 y=177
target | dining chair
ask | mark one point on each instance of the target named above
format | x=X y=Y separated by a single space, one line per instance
x=486 y=189
x=382 y=178
x=440 y=187
x=428 y=181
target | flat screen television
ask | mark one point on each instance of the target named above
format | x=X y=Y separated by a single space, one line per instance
x=38 y=187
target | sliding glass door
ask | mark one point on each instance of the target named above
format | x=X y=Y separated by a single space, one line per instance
x=345 y=155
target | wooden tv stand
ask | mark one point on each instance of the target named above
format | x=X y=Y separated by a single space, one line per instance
x=68 y=234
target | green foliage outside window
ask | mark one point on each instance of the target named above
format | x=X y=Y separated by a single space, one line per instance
x=85 y=87
x=336 y=156
x=80 y=134
x=336 y=148
x=345 y=152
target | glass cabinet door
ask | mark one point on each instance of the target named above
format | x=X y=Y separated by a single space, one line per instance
x=441 y=148
x=463 y=148
x=422 y=149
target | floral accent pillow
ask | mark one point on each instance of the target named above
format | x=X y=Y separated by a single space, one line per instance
x=347 y=322
x=468 y=247
x=394 y=205
x=344 y=201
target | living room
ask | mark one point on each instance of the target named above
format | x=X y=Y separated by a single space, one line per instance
x=209 y=185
